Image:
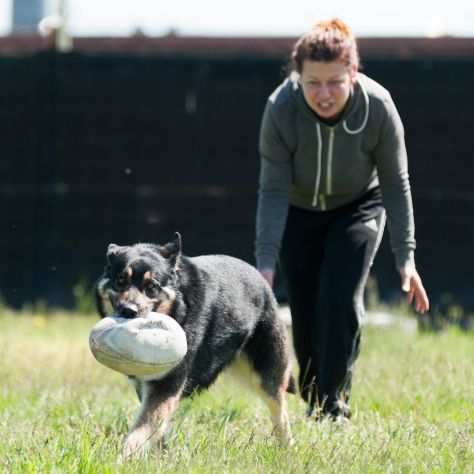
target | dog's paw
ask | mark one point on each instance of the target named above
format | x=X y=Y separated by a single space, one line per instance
x=137 y=444
x=286 y=440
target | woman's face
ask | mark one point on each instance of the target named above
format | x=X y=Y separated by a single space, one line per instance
x=327 y=86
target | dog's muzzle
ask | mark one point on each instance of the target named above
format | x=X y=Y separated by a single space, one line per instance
x=128 y=310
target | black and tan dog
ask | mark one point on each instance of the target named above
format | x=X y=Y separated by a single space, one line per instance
x=228 y=313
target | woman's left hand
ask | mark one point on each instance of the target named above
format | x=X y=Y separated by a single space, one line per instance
x=413 y=287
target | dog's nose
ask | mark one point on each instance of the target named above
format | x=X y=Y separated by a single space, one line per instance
x=128 y=310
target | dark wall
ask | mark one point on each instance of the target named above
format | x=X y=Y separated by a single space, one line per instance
x=99 y=149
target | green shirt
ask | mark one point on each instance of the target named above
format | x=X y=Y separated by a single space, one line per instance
x=309 y=164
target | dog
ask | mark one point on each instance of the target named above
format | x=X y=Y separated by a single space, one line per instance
x=229 y=315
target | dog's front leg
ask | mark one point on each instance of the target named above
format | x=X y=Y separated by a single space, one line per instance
x=159 y=401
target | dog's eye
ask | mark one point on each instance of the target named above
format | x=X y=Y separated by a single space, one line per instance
x=121 y=282
x=152 y=289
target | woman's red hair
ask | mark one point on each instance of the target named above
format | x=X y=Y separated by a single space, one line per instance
x=327 y=41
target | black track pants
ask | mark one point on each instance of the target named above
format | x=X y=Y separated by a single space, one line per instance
x=325 y=259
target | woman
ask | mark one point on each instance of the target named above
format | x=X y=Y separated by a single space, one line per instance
x=333 y=159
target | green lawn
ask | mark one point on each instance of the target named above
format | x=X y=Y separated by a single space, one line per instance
x=61 y=412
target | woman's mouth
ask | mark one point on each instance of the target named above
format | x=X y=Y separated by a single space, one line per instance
x=327 y=105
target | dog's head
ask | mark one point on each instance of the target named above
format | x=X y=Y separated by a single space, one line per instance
x=139 y=279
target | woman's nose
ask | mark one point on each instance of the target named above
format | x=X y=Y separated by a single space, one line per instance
x=323 y=92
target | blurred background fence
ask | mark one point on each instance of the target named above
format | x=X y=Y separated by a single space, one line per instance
x=101 y=147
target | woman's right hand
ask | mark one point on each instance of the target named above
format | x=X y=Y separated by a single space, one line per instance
x=269 y=275
x=413 y=287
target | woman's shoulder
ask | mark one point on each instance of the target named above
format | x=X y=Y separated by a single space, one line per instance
x=284 y=96
x=374 y=89
x=379 y=97
x=382 y=108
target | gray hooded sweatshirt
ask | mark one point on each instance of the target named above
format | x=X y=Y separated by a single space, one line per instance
x=314 y=166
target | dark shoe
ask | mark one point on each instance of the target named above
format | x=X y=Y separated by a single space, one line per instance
x=339 y=409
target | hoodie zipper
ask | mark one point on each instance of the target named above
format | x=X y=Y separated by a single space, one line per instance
x=322 y=199
x=318 y=165
x=329 y=165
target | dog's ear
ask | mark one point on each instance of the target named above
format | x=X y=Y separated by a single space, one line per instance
x=172 y=250
x=112 y=252
x=101 y=297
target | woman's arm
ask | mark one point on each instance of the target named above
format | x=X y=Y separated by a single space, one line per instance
x=392 y=167
x=275 y=179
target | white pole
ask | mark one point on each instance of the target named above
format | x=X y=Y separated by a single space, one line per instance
x=63 y=39
x=54 y=26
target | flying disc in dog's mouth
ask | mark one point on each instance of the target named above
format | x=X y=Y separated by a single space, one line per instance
x=143 y=347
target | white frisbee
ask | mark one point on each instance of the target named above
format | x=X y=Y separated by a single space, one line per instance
x=143 y=347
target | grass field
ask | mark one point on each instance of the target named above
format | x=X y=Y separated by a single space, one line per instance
x=61 y=412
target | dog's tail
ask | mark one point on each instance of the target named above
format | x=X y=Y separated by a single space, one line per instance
x=292 y=388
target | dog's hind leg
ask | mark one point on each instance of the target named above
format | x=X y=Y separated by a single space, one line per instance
x=271 y=390
x=276 y=402
x=158 y=403
x=275 y=380
x=264 y=366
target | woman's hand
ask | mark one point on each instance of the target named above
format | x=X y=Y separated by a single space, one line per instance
x=413 y=287
x=269 y=275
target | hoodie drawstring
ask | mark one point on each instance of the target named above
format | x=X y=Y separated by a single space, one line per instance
x=366 y=117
